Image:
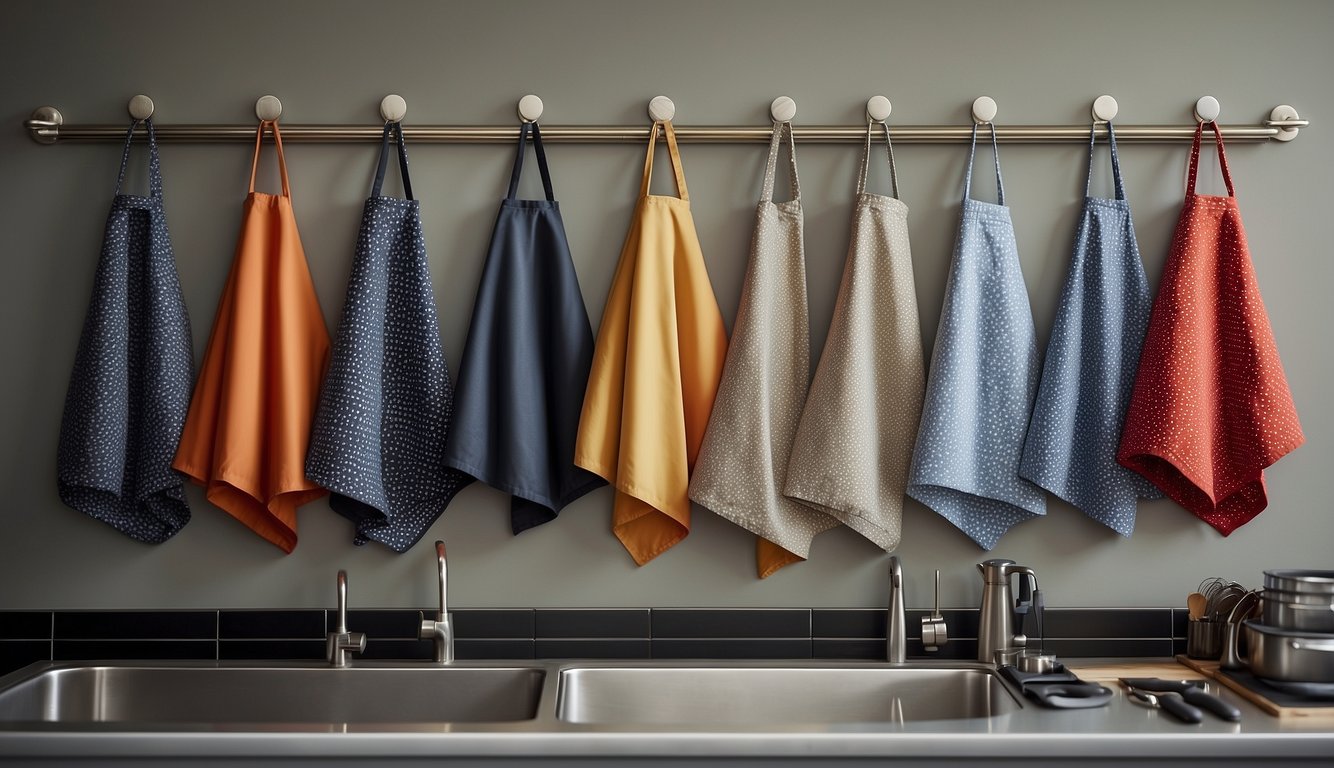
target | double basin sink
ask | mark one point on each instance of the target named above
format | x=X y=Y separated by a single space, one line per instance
x=552 y=696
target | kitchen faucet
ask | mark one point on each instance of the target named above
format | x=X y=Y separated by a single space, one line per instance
x=895 y=637
x=340 y=642
x=439 y=629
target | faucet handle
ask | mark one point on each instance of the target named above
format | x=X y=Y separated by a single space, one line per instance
x=934 y=631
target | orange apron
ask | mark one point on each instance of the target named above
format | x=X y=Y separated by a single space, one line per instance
x=656 y=366
x=249 y=423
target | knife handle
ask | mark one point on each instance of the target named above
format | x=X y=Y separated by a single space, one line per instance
x=1204 y=700
x=1180 y=708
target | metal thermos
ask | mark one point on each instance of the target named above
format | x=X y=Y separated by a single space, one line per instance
x=996 y=624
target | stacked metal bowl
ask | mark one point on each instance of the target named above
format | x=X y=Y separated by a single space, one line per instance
x=1295 y=641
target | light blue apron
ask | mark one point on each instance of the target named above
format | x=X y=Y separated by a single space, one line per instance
x=984 y=374
x=1090 y=366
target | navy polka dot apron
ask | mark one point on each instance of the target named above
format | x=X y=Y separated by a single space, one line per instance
x=1090 y=366
x=385 y=407
x=984 y=374
x=525 y=365
x=130 y=387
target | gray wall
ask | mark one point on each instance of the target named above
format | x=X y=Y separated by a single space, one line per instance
x=598 y=62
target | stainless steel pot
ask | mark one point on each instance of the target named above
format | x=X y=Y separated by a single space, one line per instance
x=1305 y=582
x=1287 y=655
x=1306 y=613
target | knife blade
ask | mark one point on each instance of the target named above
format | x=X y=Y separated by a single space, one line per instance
x=1193 y=691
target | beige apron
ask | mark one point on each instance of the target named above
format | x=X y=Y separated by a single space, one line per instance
x=854 y=443
x=743 y=460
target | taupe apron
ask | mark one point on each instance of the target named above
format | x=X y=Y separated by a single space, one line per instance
x=854 y=443
x=743 y=461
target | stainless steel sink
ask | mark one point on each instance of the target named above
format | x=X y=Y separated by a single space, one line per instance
x=752 y=695
x=220 y=694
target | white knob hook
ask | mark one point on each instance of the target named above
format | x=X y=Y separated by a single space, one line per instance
x=984 y=109
x=530 y=108
x=268 y=108
x=783 y=109
x=661 y=109
x=1105 y=109
x=1207 y=109
x=141 y=107
x=878 y=108
x=393 y=108
x=1283 y=113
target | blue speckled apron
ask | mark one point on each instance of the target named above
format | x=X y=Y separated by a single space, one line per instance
x=1090 y=366
x=525 y=365
x=984 y=374
x=130 y=388
x=378 y=443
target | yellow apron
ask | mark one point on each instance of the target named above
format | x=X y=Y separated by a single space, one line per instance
x=656 y=366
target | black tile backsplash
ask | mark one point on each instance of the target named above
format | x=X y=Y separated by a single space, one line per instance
x=25 y=625
x=849 y=622
x=865 y=649
x=409 y=650
x=1088 y=647
x=597 y=648
x=136 y=625
x=592 y=622
x=271 y=624
x=271 y=650
x=401 y=623
x=145 y=650
x=1179 y=618
x=1105 y=622
x=21 y=653
x=750 y=648
x=731 y=622
x=560 y=633
x=496 y=623
x=493 y=649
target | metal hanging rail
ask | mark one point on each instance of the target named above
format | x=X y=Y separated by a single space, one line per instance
x=46 y=126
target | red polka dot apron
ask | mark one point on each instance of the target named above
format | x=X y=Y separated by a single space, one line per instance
x=1211 y=407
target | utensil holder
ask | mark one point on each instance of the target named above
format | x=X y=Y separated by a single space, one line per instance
x=1204 y=639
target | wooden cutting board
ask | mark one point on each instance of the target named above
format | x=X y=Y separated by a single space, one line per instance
x=1168 y=670
x=1321 y=710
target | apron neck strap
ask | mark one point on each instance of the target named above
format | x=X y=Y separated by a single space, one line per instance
x=863 y=172
x=154 y=167
x=397 y=130
x=541 y=161
x=1195 y=159
x=282 y=161
x=1116 y=162
x=995 y=149
x=770 y=168
x=675 y=156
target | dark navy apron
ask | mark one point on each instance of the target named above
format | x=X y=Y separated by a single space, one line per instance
x=385 y=407
x=525 y=364
x=130 y=388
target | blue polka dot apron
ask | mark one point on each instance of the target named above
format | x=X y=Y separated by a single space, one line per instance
x=1090 y=366
x=130 y=388
x=984 y=374
x=384 y=413
x=525 y=365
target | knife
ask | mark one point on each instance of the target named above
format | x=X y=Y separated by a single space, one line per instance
x=1170 y=701
x=1193 y=691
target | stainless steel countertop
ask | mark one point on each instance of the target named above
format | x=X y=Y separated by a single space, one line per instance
x=1122 y=729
